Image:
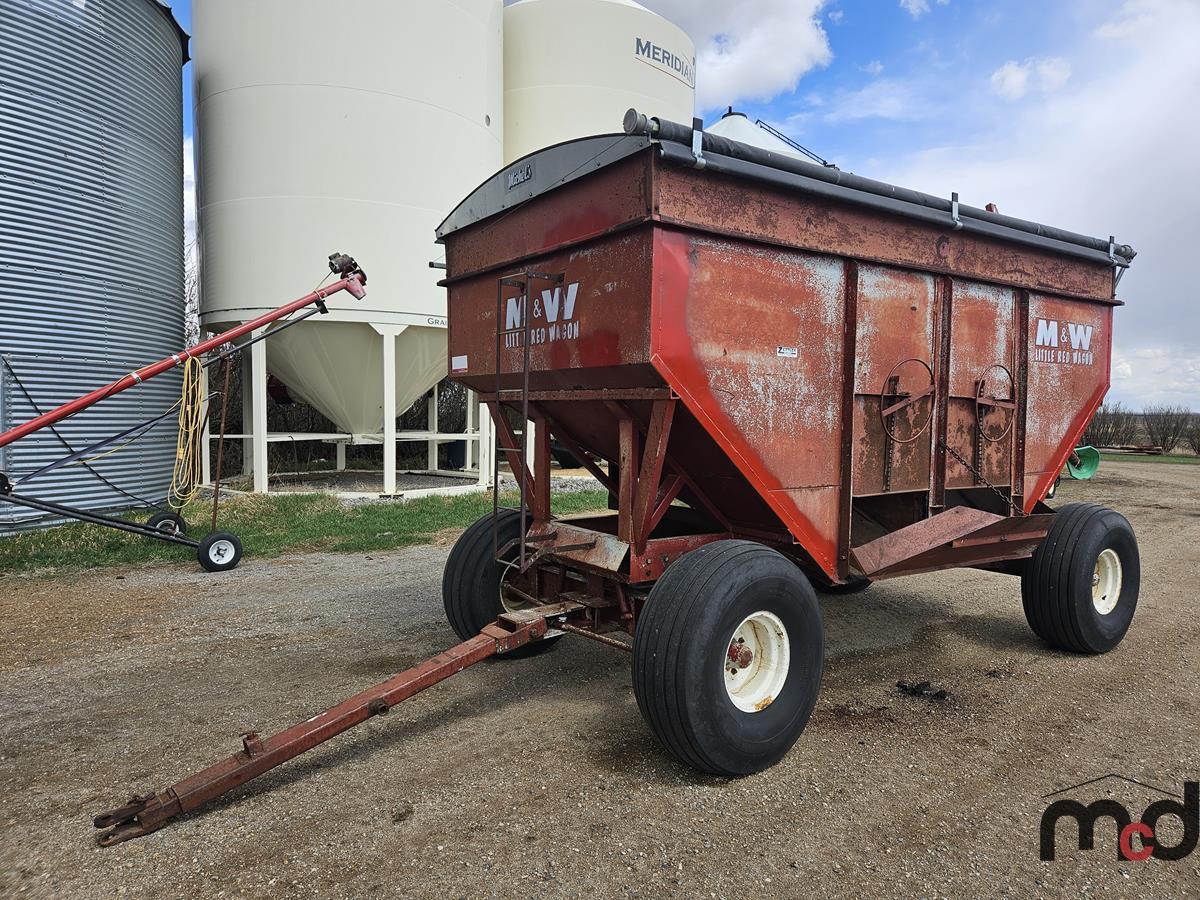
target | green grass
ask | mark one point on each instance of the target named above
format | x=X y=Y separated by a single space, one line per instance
x=267 y=525
x=1173 y=459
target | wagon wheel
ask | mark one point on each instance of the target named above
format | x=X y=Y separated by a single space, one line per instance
x=892 y=400
x=995 y=401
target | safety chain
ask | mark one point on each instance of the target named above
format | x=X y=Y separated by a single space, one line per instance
x=1007 y=498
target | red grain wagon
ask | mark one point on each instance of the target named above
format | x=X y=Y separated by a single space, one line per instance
x=798 y=379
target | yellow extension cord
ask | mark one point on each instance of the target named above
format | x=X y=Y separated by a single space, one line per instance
x=185 y=480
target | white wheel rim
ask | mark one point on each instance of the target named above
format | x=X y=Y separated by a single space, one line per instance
x=220 y=552
x=754 y=679
x=1106 y=582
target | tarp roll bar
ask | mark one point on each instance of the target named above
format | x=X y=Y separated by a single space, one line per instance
x=735 y=158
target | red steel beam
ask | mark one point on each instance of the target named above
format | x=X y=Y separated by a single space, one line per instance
x=585 y=459
x=670 y=490
x=650 y=474
x=353 y=284
x=143 y=815
x=628 y=435
x=540 y=507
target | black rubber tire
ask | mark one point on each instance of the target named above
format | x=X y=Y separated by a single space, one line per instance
x=208 y=555
x=174 y=522
x=855 y=585
x=1056 y=587
x=565 y=458
x=680 y=647
x=471 y=581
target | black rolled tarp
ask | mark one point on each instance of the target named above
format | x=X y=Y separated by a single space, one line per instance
x=735 y=158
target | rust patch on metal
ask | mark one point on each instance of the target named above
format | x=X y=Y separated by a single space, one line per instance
x=749 y=209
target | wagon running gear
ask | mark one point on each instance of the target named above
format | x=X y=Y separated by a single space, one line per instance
x=727 y=657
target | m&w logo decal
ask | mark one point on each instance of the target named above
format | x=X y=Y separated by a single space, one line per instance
x=1067 y=343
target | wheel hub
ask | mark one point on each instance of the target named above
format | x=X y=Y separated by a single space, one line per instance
x=756 y=663
x=219 y=551
x=739 y=654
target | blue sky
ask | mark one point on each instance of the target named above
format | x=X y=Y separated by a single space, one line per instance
x=856 y=106
x=183 y=14
x=1077 y=113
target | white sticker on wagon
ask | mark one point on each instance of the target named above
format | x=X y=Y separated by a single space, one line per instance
x=552 y=317
x=787 y=352
x=1065 y=343
x=458 y=364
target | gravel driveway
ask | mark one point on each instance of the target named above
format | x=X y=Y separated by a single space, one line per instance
x=538 y=778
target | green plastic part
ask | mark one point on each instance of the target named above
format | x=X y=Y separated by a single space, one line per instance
x=1083 y=463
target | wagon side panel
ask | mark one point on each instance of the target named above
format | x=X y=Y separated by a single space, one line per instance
x=592 y=331
x=982 y=373
x=893 y=353
x=750 y=339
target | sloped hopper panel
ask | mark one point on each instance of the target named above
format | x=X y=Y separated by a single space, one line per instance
x=337 y=367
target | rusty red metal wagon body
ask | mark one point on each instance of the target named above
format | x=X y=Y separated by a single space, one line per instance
x=787 y=377
x=801 y=369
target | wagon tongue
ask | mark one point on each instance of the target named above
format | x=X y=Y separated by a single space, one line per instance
x=149 y=812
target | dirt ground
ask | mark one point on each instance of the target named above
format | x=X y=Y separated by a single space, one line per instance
x=538 y=777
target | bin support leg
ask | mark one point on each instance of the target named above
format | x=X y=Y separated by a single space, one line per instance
x=389 y=412
x=258 y=413
x=142 y=815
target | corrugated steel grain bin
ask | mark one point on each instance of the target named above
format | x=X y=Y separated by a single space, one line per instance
x=91 y=234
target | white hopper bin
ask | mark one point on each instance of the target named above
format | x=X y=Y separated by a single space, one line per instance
x=349 y=127
x=572 y=68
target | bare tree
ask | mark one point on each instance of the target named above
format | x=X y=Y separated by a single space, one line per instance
x=1191 y=437
x=1166 y=425
x=191 y=295
x=1112 y=426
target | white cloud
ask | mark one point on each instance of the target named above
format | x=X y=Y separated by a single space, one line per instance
x=753 y=50
x=836 y=16
x=918 y=8
x=873 y=68
x=1011 y=80
x=1134 y=16
x=1053 y=74
x=1156 y=375
x=884 y=98
x=1014 y=80
x=1137 y=175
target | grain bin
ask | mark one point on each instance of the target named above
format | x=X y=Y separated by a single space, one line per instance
x=572 y=68
x=91 y=234
x=305 y=145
